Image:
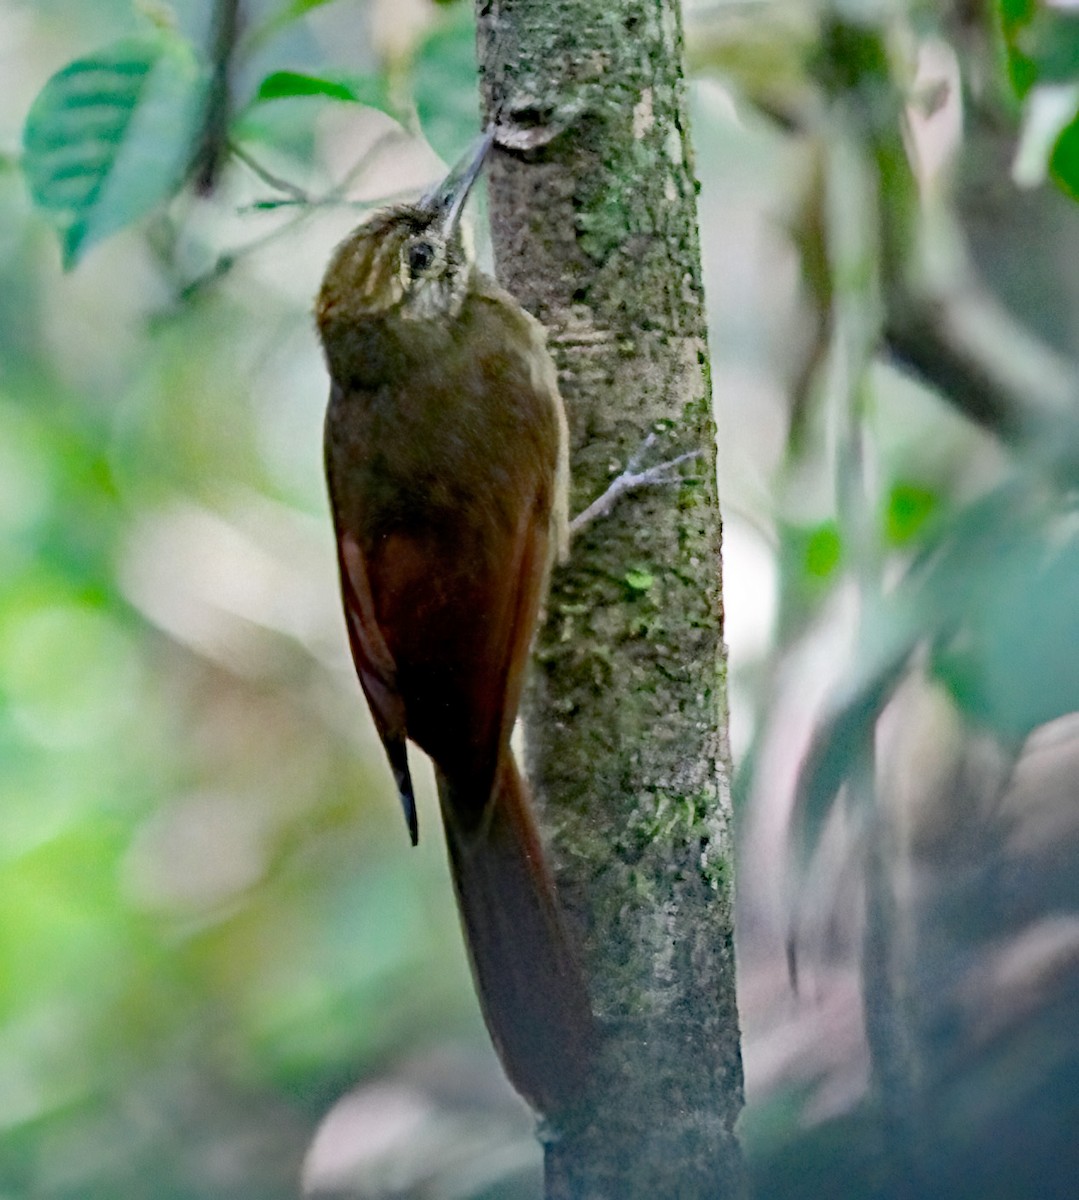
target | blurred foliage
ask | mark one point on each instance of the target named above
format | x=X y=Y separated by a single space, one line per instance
x=220 y=968
x=211 y=929
x=113 y=134
x=1041 y=43
x=920 y=496
x=110 y=136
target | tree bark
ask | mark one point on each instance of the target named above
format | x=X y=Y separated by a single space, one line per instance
x=593 y=216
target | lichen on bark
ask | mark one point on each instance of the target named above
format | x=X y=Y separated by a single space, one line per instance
x=593 y=214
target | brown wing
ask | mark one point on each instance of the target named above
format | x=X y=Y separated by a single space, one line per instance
x=377 y=671
x=457 y=620
x=447 y=488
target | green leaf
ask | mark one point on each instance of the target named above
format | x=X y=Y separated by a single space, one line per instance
x=1041 y=43
x=909 y=507
x=639 y=580
x=279 y=113
x=1015 y=17
x=1052 y=42
x=445 y=85
x=823 y=551
x=942 y=592
x=111 y=135
x=371 y=91
x=1016 y=13
x=298 y=8
x=1064 y=160
x=1010 y=665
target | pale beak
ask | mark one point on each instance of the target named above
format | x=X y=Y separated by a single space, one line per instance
x=446 y=200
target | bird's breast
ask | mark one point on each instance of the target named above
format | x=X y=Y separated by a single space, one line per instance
x=457 y=437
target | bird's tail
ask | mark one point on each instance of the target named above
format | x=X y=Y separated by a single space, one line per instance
x=527 y=975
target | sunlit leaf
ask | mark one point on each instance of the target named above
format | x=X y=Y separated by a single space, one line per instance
x=1015 y=18
x=823 y=551
x=1064 y=160
x=288 y=127
x=1041 y=44
x=110 y=136
x=810 y=557
x=369 y=90
x=909 y=508
x=297 y=8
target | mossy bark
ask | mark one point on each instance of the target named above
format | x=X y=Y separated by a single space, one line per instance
x=593 y=215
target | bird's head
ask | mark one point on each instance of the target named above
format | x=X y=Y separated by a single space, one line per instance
x=409 y=261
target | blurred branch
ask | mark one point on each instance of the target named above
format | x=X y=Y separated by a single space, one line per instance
x=294 y=191
x=857 y=320
x=986 y=364
x=213 y=145
x=950 y=331
x=953 y=333
x=295 y=197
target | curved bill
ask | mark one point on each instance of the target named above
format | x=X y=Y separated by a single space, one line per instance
x=447 y=199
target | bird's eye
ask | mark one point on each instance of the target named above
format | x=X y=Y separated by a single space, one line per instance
x=420 y=257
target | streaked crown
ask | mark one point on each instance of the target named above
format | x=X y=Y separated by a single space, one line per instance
x=409 y=261
x=402 y=261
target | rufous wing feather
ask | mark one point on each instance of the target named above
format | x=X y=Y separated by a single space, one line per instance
x=457 y=697
x=377 y=673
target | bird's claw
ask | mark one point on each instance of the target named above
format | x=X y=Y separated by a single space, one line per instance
x=632 y=479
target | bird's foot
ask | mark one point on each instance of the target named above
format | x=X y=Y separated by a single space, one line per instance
x=632 y=479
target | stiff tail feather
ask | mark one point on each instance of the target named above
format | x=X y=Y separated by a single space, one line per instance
x=530 y=985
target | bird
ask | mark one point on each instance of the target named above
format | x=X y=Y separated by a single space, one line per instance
x=447 y=465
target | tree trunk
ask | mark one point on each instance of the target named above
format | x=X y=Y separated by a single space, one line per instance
x=593 y=215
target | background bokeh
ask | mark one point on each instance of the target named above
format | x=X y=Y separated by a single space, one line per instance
x=222 y=969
